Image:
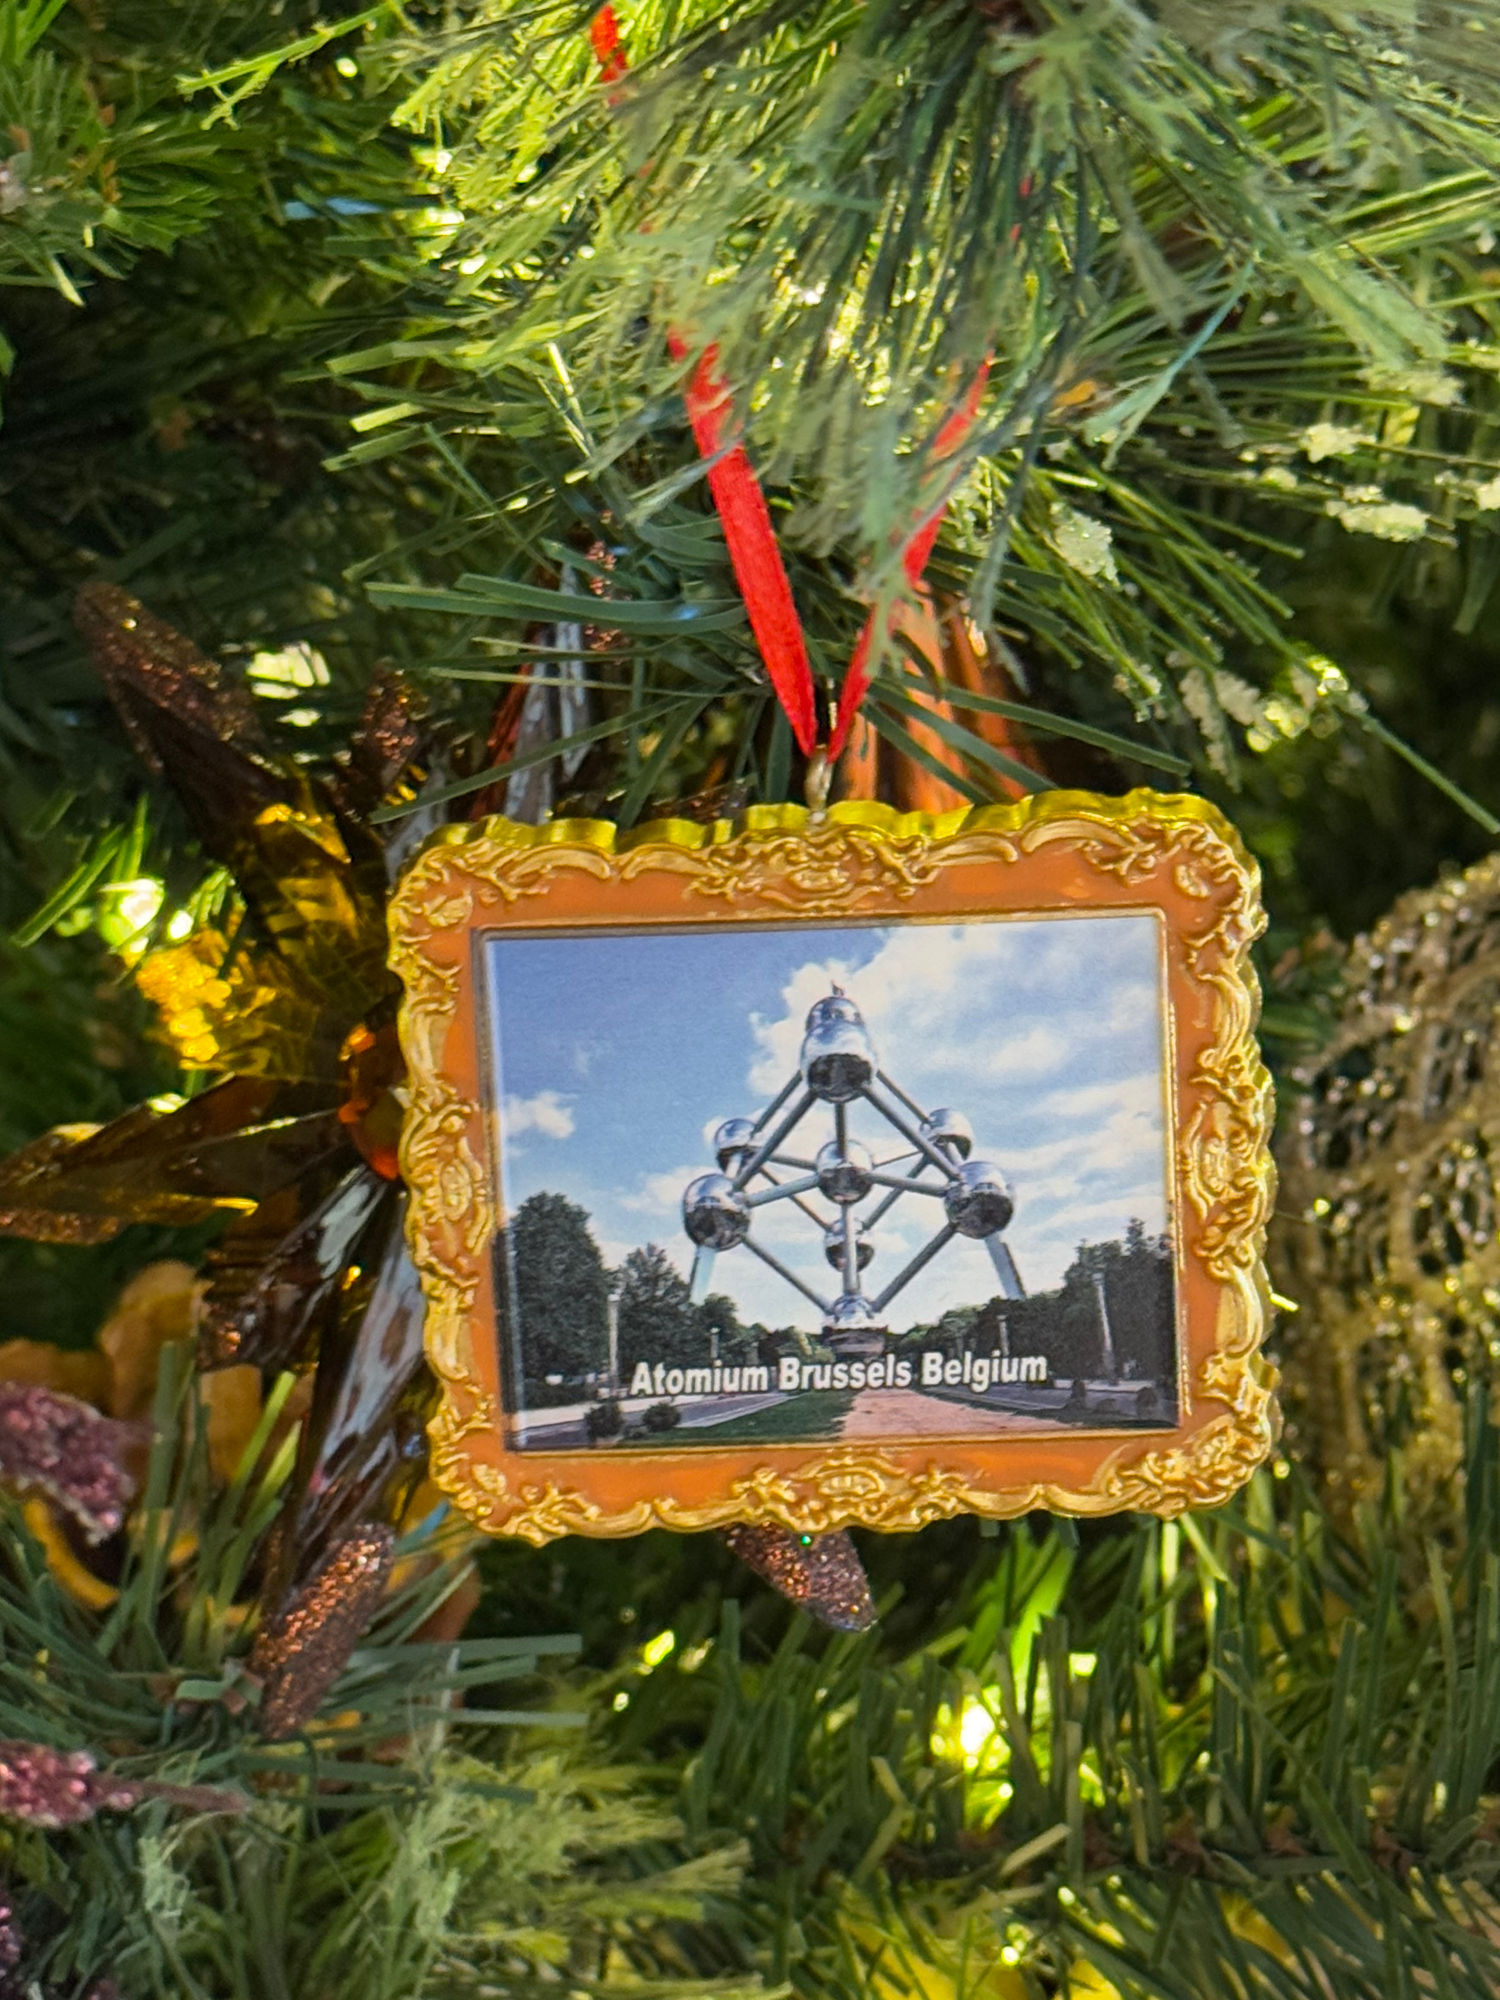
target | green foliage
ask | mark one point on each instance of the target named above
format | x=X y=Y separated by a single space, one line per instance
x=306 y=348
x=561 y=1287
x=411 y=1840
x=658 y=1320
x=1253 y=346
x=1227 y=1755
x=499 y=1873
x=103 y=157
x=1232 y=271
x=897 y=189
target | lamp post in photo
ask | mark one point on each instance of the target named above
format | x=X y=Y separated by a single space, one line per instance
x=1108 y=1359
x=612 y=1323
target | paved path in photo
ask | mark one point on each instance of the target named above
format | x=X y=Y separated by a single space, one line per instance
x=908 y=1413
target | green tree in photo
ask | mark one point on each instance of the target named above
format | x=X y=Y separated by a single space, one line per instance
x=1136 y=1278
x=658 y=1320
x=562 y=1289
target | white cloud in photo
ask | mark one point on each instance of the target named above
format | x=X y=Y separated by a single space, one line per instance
x=658 y=1196
x=547 y=1113
x=927 y=997
x=1139 y=1096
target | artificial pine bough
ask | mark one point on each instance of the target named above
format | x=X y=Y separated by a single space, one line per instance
x=403 y=391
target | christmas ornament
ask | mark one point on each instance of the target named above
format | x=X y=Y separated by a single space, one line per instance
x=1387 y=1242
x=602 y=1402
x=580 y=1005
x=60 y=1446
x=288 y=1002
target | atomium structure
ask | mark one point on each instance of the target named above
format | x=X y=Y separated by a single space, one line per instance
x=777 y=1157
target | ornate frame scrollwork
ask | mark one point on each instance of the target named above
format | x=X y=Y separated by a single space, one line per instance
x=1057 y=851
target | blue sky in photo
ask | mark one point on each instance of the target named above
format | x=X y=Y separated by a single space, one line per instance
x=616 y=1055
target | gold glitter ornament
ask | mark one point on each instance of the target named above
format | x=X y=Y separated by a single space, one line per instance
x=1388 y=1241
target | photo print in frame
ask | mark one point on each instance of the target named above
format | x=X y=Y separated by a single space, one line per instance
x=854 y=1169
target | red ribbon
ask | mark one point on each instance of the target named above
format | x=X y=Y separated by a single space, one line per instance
x=609 y=50
x=753 y=549
x=746 y=519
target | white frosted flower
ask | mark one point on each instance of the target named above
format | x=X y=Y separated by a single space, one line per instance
x=1084 y=544
x=1322 y=441
x=1364 y=510
x=1433 y=386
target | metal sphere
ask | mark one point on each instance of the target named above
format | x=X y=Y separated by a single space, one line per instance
x=714 y=1212
x=950 y=1131
x=851 y=1313
x=978 y=1201
x=732 y=1142
x=837 y=1059
x=833 y=1246
x=844 y=1176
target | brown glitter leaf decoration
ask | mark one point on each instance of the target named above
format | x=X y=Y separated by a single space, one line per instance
x=31 y=1163
x=386 y=744
x=820 y=1574
x=1390 y=1203
x=300 y=1653
x=61 y=1447
x=152 y=672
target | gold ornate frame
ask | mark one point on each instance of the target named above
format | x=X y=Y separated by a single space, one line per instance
x=1054 y=852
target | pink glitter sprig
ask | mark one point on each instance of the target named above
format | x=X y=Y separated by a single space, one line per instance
x=64 y=1448
x=51 y=1788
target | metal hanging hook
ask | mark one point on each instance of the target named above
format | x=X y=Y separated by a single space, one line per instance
x=818 y=782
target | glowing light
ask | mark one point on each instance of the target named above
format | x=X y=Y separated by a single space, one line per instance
x=975 y=1728
x=287 y=671
x=125 y=910
x=138 y=902
x=622 y=1700
x=179 y=924
x=1082 y=1664
x=469 y=265
x=656 y=1650
x=347 y=66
